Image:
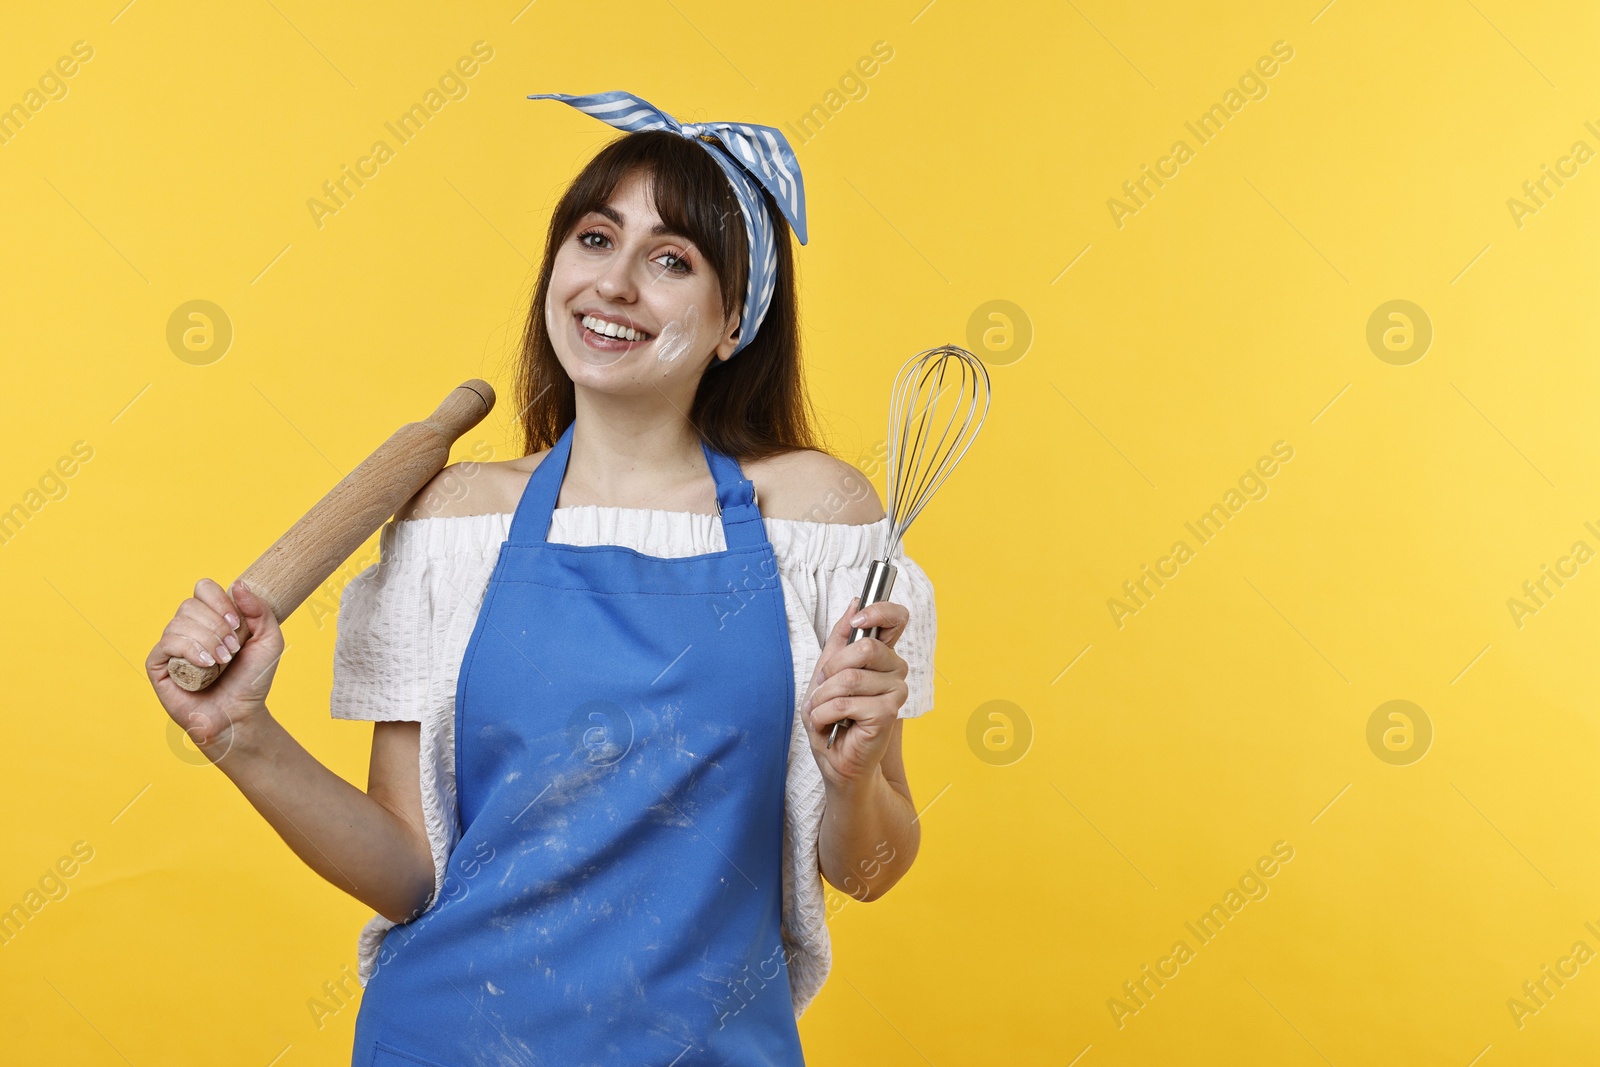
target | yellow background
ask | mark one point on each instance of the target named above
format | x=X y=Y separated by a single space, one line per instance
x=1229 y=313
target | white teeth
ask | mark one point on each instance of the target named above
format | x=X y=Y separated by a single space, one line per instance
x=612 y=329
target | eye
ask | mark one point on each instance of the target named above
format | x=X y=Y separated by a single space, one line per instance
x=583 y=238
x=680 y=265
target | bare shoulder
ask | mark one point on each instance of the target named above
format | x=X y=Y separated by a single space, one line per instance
x=472 y=488
x=813 y=486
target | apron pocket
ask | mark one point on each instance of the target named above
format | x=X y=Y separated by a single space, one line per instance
x=384 y=1055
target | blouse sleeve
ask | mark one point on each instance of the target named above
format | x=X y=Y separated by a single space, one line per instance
x=913 y=589
x=846 y=570
x=382 y=650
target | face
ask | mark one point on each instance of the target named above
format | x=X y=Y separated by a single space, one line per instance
x=616 y=273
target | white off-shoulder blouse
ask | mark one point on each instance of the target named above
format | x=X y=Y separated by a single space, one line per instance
x=405 y=621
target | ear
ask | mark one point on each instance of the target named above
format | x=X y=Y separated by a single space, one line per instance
x=729 y=342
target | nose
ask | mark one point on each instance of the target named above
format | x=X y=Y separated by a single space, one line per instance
x=617 y=280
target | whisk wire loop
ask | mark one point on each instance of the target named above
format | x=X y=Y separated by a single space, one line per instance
x=917 y=467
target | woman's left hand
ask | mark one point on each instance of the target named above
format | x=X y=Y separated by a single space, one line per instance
x=862 y=680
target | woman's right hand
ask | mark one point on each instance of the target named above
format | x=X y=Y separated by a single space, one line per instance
x=199 y=630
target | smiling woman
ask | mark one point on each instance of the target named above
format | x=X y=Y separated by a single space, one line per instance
x=720 y=625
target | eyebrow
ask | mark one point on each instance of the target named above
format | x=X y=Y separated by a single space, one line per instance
x=660 y=229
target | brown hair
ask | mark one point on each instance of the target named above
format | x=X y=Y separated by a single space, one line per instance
x=749 y=406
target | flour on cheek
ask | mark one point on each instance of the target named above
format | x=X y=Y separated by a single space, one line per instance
x=677 y=338
x=552 y=324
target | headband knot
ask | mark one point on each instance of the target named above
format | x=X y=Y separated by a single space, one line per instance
x=752 y=157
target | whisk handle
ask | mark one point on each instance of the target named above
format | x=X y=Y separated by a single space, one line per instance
x=879 y=583
x=878 y=586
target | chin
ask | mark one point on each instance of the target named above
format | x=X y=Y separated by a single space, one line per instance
x=630 y=375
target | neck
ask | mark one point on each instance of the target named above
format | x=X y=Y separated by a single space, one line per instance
x=632 y=451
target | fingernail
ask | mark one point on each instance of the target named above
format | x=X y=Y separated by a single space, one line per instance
x=232 y=642
x=223 y=654
x=206 y=660
x=233 y=620
x=859 y=618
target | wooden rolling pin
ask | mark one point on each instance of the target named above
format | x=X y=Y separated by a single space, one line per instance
x=324 y=537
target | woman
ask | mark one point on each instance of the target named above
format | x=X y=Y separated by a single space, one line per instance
x=590 y=831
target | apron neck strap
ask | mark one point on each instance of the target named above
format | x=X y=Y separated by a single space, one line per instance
x=741 y=519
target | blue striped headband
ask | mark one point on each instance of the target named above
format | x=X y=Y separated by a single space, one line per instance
x=747 y=154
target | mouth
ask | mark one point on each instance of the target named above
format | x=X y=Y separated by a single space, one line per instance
x=602 y=336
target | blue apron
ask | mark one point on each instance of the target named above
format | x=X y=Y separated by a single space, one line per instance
x=622 y=737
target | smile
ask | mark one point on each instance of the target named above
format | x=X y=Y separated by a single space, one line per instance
x=610 y=335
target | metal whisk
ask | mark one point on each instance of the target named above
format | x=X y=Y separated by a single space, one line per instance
x=918 y=464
